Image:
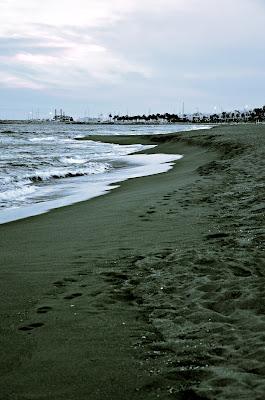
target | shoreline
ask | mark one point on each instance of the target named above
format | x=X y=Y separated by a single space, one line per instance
x=137 y=164
x=153 y=290
x=62 y=181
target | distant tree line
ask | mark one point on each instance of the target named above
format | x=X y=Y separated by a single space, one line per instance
x=170 y=118
x=255 y=115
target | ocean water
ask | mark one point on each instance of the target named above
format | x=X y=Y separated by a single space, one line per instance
x=43 y=166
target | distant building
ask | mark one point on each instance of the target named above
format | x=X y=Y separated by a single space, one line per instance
x=89 y=120
x=61 y=117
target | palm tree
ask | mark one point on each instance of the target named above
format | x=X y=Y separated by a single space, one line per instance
x=224 y=116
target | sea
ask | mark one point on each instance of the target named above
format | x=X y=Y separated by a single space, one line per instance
x=43 y=166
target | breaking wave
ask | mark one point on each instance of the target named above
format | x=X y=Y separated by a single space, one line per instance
x=94 y=168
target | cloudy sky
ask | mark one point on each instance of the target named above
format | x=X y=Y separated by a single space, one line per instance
x=136 y=56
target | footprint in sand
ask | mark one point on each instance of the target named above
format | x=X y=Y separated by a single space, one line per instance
x=71 y=280
x=44 y=310
x=30 y=327
x=64 y=282
x=82 y=273
x=143 y=218
x=72 y=296
x=217 y=235
x=59 y=284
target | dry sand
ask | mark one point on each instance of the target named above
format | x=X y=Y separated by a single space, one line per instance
x=155 y=290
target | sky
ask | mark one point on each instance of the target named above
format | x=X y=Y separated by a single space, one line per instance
x=130 y=56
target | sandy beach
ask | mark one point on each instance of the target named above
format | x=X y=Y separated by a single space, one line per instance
x=155 y=290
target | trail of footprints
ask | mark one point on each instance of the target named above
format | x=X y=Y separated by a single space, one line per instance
x=174 y=205
x=63 y=286
x=164 y=202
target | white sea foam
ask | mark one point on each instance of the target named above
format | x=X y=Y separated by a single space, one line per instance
x=72 y=160
x=18 y=193
x=43 y=139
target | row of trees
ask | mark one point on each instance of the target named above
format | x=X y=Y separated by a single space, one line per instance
x=255 y=115
x=170 y=118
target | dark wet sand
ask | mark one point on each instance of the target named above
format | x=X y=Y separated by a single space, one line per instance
x=155 y=290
